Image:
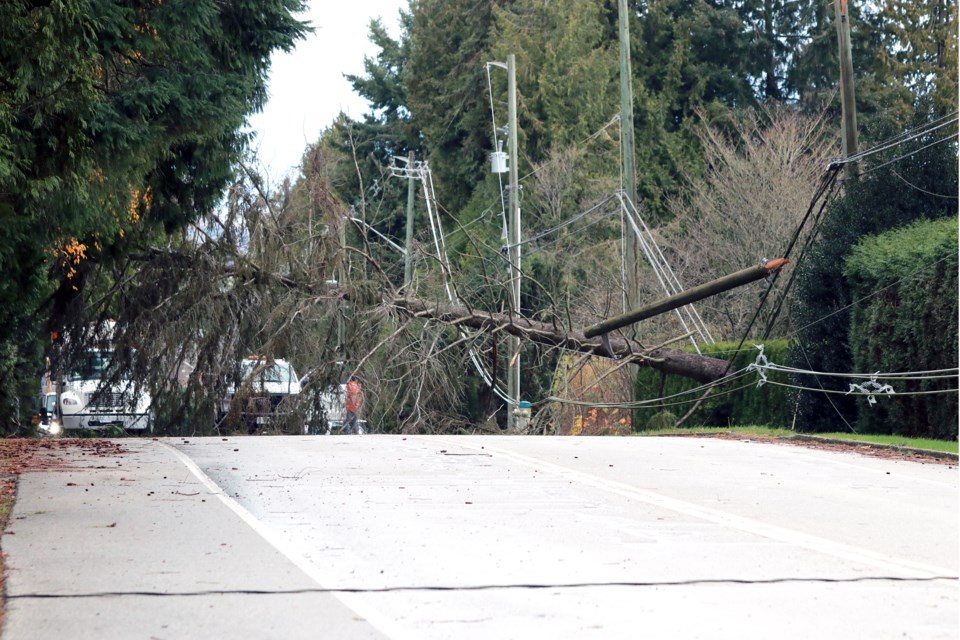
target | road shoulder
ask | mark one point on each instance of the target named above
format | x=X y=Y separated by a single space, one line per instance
x=134 y=545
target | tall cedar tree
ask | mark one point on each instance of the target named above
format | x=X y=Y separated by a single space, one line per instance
x=447 y=91
x=118 y=119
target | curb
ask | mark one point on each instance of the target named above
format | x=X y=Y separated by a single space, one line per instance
x=944 y=455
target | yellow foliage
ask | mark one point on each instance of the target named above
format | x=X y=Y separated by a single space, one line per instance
x=70 y=254
x=577 y=427
x=591 y=380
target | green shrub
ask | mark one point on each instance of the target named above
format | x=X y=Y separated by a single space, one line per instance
x=739 y=402
x=887 y=197
x=907 y=321
x=661 y=420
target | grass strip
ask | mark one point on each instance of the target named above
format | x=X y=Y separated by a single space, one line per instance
x=946 y=446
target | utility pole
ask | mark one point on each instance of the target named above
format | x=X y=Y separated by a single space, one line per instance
x=847 y=95
x=342 y=281
x=628 y=151
x=631 y=253
x=706 y=290
x=408 y=256
x=513 y=240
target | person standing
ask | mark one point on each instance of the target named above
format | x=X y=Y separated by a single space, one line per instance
x=354 y=404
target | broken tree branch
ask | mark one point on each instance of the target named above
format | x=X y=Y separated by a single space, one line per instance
x=673 y=361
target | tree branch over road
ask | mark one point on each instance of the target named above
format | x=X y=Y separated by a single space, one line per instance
x=672 y=361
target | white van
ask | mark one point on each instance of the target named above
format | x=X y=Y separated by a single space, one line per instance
x=48 y=418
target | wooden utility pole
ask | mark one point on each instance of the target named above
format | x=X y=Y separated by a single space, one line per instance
x=712 y=288
x=631 y=253
x=551 y=334
x=847 y=95
x=513 y=240
x=628 y=155
x=408 y=256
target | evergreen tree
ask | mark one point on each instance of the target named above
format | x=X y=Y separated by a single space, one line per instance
x=688 y=56
x=772 y=27
x=811 y=79
x=567 y=73
x=387 y=131
x=118 y=118
x=447 y=91
x=917 y=54
x=388 y=128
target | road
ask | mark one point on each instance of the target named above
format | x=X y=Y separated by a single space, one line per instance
x=423 y=537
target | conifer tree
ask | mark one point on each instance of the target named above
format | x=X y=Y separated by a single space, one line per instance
x=118 y=119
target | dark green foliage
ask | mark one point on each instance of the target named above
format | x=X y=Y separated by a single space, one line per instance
x=388 y=129
x=910 y=325
x=447 y=92
x=769 y=405
x=686 y=56
x=892 y=196
x=772 y=27
x=119 y=120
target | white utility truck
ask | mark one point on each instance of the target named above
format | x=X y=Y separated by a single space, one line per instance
x=90 y=397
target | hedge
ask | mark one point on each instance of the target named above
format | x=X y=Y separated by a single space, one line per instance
x=889 y=196
x=769 y=405
x=906 y=281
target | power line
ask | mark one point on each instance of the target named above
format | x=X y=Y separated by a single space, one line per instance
x=869 y=389
x=933 y=374
x=565 y=223
x=907 y=155
x=899 y=140
x=921 y=189
x=862 y=393
x=826 y=185
x=817 y=222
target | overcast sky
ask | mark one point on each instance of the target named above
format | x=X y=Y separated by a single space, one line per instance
x=307 y=87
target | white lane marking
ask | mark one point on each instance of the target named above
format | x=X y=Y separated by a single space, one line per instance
x=356 y=602
x=749 y=525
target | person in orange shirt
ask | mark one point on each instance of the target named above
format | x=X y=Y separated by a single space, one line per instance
x=354 y=404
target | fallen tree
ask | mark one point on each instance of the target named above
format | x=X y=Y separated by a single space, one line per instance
x=265 y=278
x=667 y=360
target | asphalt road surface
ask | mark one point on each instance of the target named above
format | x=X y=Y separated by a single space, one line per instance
x=424 y=537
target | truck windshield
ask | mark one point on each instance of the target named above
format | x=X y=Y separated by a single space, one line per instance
x=91 y=366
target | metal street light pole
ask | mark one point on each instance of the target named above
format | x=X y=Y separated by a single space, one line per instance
x=411 y=196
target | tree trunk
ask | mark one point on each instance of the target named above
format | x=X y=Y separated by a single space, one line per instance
x=672 y=361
